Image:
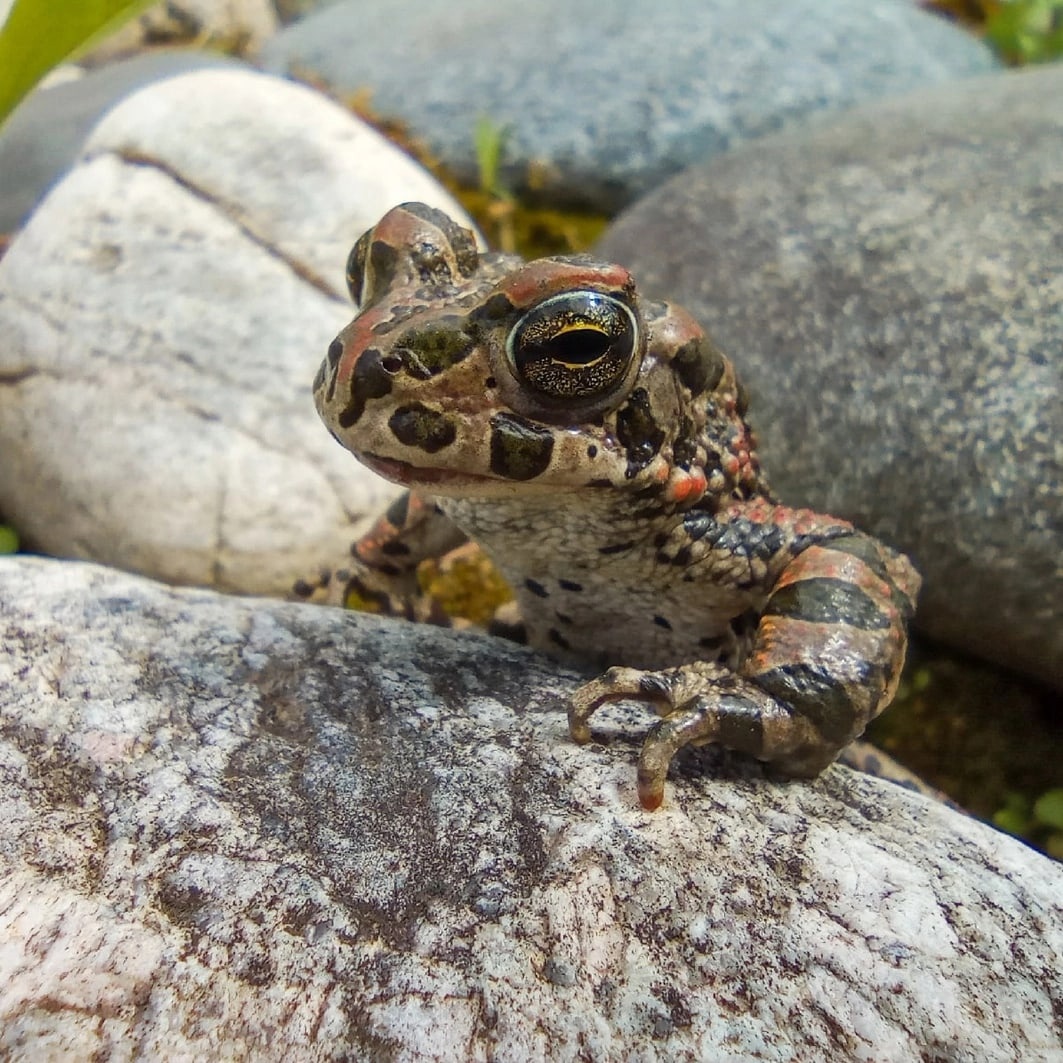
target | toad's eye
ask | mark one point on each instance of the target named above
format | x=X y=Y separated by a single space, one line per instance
x=578 y=345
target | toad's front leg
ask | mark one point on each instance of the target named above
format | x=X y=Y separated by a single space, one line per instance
x=825 y=661
x=380 y=576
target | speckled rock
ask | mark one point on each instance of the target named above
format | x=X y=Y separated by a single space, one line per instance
x=603 y=101
x=43 y=137
x=256 y=830
x=891 y=289
x=161 y=319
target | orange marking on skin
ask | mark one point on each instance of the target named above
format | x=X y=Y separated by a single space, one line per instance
x=544 y=278
x=690 y=487
x=357 y=337
x=833 y=564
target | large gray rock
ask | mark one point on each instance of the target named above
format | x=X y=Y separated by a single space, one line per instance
x=602 y=101
x=41 y=140
x=245 y=829
x=161 y=319
x=891 y=289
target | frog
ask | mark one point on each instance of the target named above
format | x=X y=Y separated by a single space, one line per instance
x=595 y=444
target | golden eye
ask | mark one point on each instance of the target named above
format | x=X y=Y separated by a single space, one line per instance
x=577 y=345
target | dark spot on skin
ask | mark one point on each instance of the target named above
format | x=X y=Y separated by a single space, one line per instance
x=370 y=380
x=699 y=365
x=328 y=369
x=638 y=431
x=490 y=383
x=616 y=548
x=824 y=600
x=570 y=585
x=660 y=539
x=740 y=537
x=741 y=725
x=562 y=617
x=520 y=449
x=397 y=511
x=432 y=350
x=592 y=451
x=821 y=698
x=558 y=639
x=682 y=557
x=399 y=314
x=514 y=632
x=663 y=621
x=600 y=481
x=711 y=642
x=394 y=548
x=864 y=548
x=536 y=588
x=418 y=426
x=302 y=589
x=496 y=309
x=685 y=447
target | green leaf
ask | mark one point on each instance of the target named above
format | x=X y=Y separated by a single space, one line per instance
x=39 y=34
x=1012 y=821
x=8 y=540
x=489 y=140
x=1027 y=31
x=1048 y=809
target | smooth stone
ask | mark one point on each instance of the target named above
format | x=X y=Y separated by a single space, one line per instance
x=41 y=139
x=602 y=102
x=163 y=315
x=239 y=829
x=891 y=290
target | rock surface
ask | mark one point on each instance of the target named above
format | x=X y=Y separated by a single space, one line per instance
x=41 y=140
x=161 y=319
x=891 y=290
x=235 y=26
x=259 y=830
x=603 y=101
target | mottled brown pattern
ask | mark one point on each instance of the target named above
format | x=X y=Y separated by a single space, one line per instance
x=595 y=445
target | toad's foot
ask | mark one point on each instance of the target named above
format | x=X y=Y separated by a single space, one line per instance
x=703 y=703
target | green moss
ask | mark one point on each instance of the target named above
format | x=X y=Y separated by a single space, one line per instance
x=990 y=740
x=8 y=540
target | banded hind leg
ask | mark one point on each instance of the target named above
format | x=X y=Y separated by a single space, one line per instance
x=825 y=660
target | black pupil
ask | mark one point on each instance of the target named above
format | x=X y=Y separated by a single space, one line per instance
x=577 y=346
x=573 y=346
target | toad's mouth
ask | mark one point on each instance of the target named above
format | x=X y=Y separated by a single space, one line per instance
x=402 y=472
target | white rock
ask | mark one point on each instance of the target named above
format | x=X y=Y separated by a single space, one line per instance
x=233 y=26
x=256 y=830
x=161 y=319
x=307 y=179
